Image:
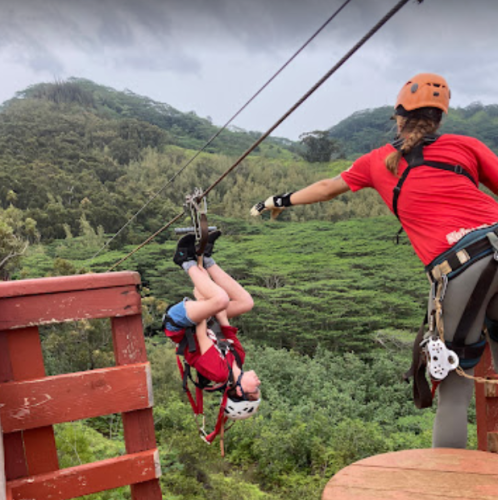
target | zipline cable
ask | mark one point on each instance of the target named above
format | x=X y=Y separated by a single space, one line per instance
x=322 y=80
x=224 y=127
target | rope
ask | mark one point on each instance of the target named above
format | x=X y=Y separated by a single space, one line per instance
x=148 y=240
x=479 y=380
x=320 y=82
x=327 y=75
x=210 y=141
x=459 y=370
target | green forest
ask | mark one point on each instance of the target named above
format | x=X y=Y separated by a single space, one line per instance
x=337 y=302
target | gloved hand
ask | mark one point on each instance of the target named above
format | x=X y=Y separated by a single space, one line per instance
x=274 y=203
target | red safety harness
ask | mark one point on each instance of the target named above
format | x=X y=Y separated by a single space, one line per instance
x=201 y=383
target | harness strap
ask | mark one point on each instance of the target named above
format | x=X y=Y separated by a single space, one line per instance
x=477 y=296
x=187 y=340
x=469 y=354
x=415 y=158
x=456 y=260
x=221 y=420
x=193 y=402
x=422 y=393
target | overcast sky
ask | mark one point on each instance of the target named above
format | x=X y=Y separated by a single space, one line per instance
x=210 y=56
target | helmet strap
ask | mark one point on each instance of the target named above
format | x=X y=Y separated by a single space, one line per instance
x=238 y=384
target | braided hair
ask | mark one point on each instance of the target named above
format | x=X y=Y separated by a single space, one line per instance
x=413 y=126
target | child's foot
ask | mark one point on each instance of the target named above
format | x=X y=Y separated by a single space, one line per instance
x=212 y=237
x=185 y=250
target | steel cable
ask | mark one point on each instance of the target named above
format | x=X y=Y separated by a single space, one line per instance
x=224 y=127
x=320 y=82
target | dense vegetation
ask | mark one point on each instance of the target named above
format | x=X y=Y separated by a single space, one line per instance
x=336 y=301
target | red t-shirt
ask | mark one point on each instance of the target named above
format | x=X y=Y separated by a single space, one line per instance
x=212 y=364
x=436 y=208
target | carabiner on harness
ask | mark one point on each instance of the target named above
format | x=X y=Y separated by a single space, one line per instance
x=202 y=431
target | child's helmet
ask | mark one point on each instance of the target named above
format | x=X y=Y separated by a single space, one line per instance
x=240 y=410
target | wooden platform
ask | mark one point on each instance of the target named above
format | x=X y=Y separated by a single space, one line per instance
x=433 y=474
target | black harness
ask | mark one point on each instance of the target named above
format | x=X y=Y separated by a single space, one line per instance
x=188 y=341
x=415 y=158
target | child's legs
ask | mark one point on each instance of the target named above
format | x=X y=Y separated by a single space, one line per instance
x=215 y=298
x=240 y=300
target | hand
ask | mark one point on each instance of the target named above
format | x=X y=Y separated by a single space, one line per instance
x=274 y=203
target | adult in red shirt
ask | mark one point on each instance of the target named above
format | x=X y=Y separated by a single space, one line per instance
x=217 y=295
x=430 y=183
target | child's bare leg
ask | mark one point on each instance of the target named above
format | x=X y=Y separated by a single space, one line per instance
x=223 y=318
x=240 y=300
x=215 y=299
x=205 y=343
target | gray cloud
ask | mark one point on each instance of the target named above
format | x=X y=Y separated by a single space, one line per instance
x=214 y=54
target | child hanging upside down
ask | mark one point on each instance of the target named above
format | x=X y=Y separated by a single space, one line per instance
x=217 y=358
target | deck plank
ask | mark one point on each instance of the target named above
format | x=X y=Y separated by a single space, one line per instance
x=425 y=474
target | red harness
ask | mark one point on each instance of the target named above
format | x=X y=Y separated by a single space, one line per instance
x=197 y=403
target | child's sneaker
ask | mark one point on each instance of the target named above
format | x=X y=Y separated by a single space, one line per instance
x=212 y=237
x=185 y=249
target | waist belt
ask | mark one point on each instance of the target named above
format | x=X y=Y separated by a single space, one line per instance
x=459 y=258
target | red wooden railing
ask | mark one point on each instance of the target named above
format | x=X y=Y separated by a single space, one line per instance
x=31 y=403
x=487 y=405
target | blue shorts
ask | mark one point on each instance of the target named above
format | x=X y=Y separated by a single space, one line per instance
x=178 y=313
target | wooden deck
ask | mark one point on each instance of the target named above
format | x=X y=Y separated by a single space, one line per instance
x=432 y=474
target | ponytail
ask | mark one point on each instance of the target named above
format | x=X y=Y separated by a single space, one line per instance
x=413 y=130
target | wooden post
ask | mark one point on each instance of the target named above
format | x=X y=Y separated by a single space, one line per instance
x=31 y=451
x=487 y=405
x=129 y=348
x=3 y=485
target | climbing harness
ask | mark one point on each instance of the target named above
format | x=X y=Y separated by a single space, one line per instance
x=229 y=409
x=457 y=355
x=416 y=159
x=263 y=136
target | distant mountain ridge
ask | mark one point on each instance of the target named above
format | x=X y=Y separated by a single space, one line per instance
x=75 y=153
x=186 y=130
x=371 y=128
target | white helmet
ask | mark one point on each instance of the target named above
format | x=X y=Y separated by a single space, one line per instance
x=240 y=410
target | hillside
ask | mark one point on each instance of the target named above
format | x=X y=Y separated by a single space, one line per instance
x=186 y=130
x=370 y=128
x=336 y=301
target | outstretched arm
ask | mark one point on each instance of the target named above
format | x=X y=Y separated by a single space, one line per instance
x=323 y=190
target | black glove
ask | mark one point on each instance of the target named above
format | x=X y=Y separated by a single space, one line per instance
x=274 y=203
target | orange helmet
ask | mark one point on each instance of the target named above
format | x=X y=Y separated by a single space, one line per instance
x=425 y=90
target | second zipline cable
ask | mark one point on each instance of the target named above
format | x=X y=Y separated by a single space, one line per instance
x=315 y=87
x=210 y=141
